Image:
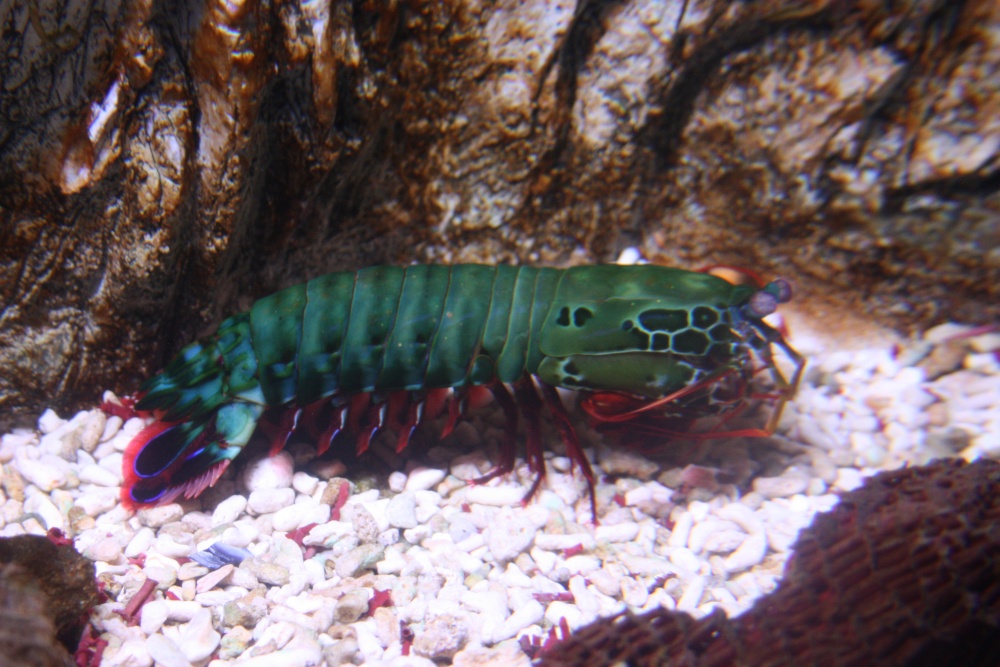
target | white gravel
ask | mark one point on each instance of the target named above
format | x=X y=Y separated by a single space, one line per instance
x=469 y=570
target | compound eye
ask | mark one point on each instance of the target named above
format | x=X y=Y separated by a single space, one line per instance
x=782 y=289
x=762 y=304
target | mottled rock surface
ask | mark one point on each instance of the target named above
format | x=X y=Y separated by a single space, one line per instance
x=46 y=593
x=904 y=571
x=163 y=164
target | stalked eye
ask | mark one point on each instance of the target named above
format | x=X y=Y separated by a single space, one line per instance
x=762 y=304
x=780 y=288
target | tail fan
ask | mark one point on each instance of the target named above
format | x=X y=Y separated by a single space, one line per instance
x=166 y=460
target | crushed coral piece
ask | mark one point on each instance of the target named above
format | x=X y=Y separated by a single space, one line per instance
x=133 y=610
x=90 y=650
x=380 y=599
x=339 y=503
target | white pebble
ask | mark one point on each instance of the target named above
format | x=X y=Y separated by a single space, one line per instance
x=848 y=479
x=748 y=554
x=691 y=597
x=681 y=531
x=401 y=511
x=154 y=615
x=157 y=517
x=634 y=593
x=198 y=638
x=788 y=484
x=181 y=610
x=46 y=477
x=95 y=474
x=300 y=514
x=495 y=496
x=269 y=473
x=555 y=542
x=619 y=532
x=685 y=559
x=49 y=421
x=229 y=510
x=510 y=535
x=165 y=652
x=526 y=615
x=397 y=481
x=210 y=580
x=422 y=479
x=556 y=611
x=304 y=483
x=266 y=501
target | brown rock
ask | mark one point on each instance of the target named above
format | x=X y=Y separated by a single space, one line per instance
x=904 y=571
x=57 y=580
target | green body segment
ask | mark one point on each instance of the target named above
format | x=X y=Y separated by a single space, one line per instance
x=390 y=329
x=642 y=330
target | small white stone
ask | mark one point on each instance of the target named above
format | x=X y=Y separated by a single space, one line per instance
x=397 y=481
x=112 y=425
x=683 y=558
x=49 y=421
x=619 y=532
x=157 y=517
x=46 y=477
x=401 y=511
x=848 y=479
x=174 y=546
x=37 y=503
x=165 y=652
x=786 y=485
x=582 y=564
x=267 y=501
x=107 y=551
x=748 y=554
x=304 y=483
x=510 y=535
x=691 y=597
x=300 y=514
x=634 y=593
x=494 y=496
x=269 y=473
x=422 y=479
x=553 y=542
x=681 y=531
x=198 y=638
x=229 y=510
x=181 y=610
x=555 y=612
x=95 y=474
x=140 y=542
x=528 y=614
x=210 y=580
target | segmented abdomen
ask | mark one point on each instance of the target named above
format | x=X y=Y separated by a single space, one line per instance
x=388 y=328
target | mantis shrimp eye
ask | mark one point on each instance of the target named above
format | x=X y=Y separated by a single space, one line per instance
x=762 y=304
x=782 y=289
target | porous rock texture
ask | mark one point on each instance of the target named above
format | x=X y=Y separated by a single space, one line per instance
x=27 y=634
x=904 y=571
x=46 y=594
x=163 y=164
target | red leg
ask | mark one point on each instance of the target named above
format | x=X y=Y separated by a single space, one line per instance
x=508 y=448
x=530 y=403
x=456 y=408
x=283 y=430
x=336 y=425
x=375 y=420
x=569 y=438
x=414 y=412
